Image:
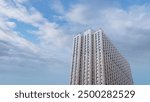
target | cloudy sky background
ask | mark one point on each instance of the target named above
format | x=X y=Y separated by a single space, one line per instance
x=36 y=36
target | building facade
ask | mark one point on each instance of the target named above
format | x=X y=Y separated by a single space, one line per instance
x=96 y=61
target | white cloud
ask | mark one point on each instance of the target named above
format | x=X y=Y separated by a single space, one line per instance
x=11 y=24
x=48 y=33
x=51 y=36
x=19 y=12
x=78 y=14
x=7 y=34
x=20 y=1
x=131 y=24
x=20 y=43
x=57 y=6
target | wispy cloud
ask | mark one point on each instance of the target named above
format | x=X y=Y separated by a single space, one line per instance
x=19 y=55
x=57 y=6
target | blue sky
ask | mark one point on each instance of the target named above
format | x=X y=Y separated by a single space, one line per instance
x=36 y=36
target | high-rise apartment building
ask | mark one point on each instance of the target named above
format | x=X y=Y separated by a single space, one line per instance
x=96 y=61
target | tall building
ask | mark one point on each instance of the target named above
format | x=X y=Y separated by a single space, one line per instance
x=96 y=61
